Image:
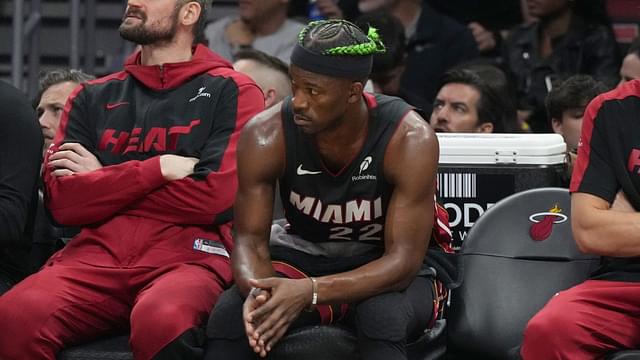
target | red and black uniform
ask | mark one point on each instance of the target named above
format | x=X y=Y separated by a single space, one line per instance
x=336 y=224
x=151 y=252
x=599 y=316
x=341 y=215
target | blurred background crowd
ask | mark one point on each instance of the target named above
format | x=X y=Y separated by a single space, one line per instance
x=505 y=57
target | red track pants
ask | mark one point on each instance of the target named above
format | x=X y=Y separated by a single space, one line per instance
x=587 y=321
x=68 y=303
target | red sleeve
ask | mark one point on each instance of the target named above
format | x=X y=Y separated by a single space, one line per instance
x=95 y=196
x=207 y=196
x=593 y=172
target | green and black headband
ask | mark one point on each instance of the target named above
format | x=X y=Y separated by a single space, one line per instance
x=350 y=61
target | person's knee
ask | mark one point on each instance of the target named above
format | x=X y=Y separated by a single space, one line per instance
x=543 y=330
x=384 y=317
x=540 y=326
x=156 y=323
x=18 y=308
x=163 y=317
x=226 y=320
x=22 y=314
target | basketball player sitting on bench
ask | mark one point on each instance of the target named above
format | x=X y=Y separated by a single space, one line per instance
x=357 y=181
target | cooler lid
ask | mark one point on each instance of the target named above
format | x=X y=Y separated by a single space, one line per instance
x=474 y=148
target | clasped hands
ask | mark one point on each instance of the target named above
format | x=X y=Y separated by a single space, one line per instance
x=271 y=306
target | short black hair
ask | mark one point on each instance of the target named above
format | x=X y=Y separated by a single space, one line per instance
x=573 y=93
x=392 y=34
x=496 y=104
x=264 y=59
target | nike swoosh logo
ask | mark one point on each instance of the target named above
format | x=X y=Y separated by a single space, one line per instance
x=301 y=171
x=115 y=105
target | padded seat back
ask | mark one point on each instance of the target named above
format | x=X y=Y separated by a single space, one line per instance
x=508 y=276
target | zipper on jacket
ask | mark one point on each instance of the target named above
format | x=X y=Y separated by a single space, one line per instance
x=162 y=75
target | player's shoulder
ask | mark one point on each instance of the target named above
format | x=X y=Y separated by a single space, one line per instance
x=266 y=123
x=413 y=130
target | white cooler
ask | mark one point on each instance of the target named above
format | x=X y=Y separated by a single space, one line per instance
x=477 y=170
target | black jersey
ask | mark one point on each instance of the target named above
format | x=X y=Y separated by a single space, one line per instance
x=609 y=161
x=348 y=206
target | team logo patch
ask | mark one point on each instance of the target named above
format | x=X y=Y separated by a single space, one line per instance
x=112 y=106
x=300 y=171
x=543 y=223
x=364 y=166
x=200 y=94
x=210 y=247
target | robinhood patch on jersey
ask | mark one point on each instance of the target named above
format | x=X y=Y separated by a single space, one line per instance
x=210 y=246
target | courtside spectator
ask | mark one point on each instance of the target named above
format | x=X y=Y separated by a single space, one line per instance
x=566 y=104
x=435 y=43
x=570 y=37
x=261 y=24
x=474 y=98
x=388 y=66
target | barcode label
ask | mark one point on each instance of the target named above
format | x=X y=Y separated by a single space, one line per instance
x=462 y=185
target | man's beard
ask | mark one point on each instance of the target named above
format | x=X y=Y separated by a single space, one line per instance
x=141 y=35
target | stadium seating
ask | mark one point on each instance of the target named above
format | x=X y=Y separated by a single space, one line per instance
x=112 y=348
x=508 y=276
x=338 y=343
x=309 y=343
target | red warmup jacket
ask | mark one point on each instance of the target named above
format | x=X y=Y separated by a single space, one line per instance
x=129 y=214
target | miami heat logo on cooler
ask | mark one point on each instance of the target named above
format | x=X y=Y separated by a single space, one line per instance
x=543 y=223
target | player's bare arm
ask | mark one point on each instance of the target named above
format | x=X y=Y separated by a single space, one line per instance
x=411 y=165
x=594 y=219
x=260 y=163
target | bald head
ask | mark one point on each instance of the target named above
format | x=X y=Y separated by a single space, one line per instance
x=630 y=69
x=270 y=73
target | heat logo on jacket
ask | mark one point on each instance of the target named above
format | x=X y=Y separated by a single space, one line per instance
x=155 y=139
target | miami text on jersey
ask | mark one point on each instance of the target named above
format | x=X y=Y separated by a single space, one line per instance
x=351 y=211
